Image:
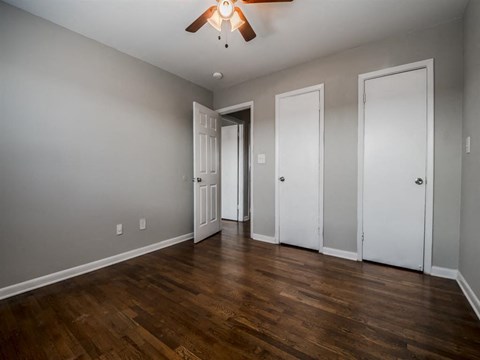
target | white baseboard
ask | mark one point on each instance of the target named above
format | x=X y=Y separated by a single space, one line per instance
x=469 y=294
x=267 y=239
x=444 y=272
x=28 y=285
x=340 y=253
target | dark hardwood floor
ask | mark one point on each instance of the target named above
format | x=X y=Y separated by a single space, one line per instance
x=234 y=298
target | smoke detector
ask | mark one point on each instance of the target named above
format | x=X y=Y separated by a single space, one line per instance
x=217 y=75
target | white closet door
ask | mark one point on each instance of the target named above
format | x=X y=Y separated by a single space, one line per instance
x=298 y=150
x=395 y=162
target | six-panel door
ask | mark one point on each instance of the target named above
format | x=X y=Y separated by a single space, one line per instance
x=207 y=194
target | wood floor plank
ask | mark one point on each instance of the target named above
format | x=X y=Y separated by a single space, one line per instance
x=231 y=297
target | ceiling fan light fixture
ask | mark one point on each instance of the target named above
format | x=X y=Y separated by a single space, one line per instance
x=226 y=9
x=216 y=20
x=236 y=22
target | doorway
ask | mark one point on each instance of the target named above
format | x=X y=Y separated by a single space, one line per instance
x=237 y=123
x=235 y=166
x=395 y=218
x=207 y=125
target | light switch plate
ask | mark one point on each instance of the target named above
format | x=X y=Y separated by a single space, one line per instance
x=468 y=145
x=119 y=229
x=261 y=159
x=142 y=224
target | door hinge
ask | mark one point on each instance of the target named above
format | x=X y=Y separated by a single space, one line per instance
x=363 y=237
x=364 y=97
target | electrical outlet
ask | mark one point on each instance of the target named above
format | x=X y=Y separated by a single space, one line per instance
x=119 y=229
x=143 y=224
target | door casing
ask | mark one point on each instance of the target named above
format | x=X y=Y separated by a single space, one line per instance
x=429 y=66
x=321 y=89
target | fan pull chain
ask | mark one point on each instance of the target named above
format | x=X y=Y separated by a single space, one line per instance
x=226 y=37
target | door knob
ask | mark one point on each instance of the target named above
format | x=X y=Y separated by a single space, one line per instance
x=197 y=180
x=419 y=181
x=282 y=179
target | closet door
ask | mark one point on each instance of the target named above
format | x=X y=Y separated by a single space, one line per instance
x=299 y=170
x=395 y=166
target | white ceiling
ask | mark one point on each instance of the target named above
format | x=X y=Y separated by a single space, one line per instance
x=287 y=33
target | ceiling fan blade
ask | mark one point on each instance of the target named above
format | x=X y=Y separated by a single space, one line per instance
x=264 y=1
x=202 y=20
x=246 y=29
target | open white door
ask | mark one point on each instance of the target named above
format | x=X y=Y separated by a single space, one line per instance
x=206 y=172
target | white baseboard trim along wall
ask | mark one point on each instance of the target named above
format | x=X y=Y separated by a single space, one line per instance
x=264 y=238
x=85 y=268
x=340 y=253
x=444 y=272
x=469 y=294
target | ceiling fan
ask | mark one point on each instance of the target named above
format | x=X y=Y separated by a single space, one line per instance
x=226 y=10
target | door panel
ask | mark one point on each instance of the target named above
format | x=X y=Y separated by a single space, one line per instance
x=207 y=197
x=214 y=208
x=395 y=155
x=299 y=168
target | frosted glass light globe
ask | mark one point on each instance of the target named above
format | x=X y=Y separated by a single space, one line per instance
x=226 y=9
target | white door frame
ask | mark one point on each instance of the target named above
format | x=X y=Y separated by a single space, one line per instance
x=235 y=108
x=321 y=89
x=429 y=66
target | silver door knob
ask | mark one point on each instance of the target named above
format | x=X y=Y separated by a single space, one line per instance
x=419 y=181
x=282 y=179
x=197 y=180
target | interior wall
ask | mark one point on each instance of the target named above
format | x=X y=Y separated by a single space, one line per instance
x=470 y=226
x=89 y=137
x=340 y=73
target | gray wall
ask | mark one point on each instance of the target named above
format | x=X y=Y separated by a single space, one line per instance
x=340 y=75
x=89 y=137
x=470 y=228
